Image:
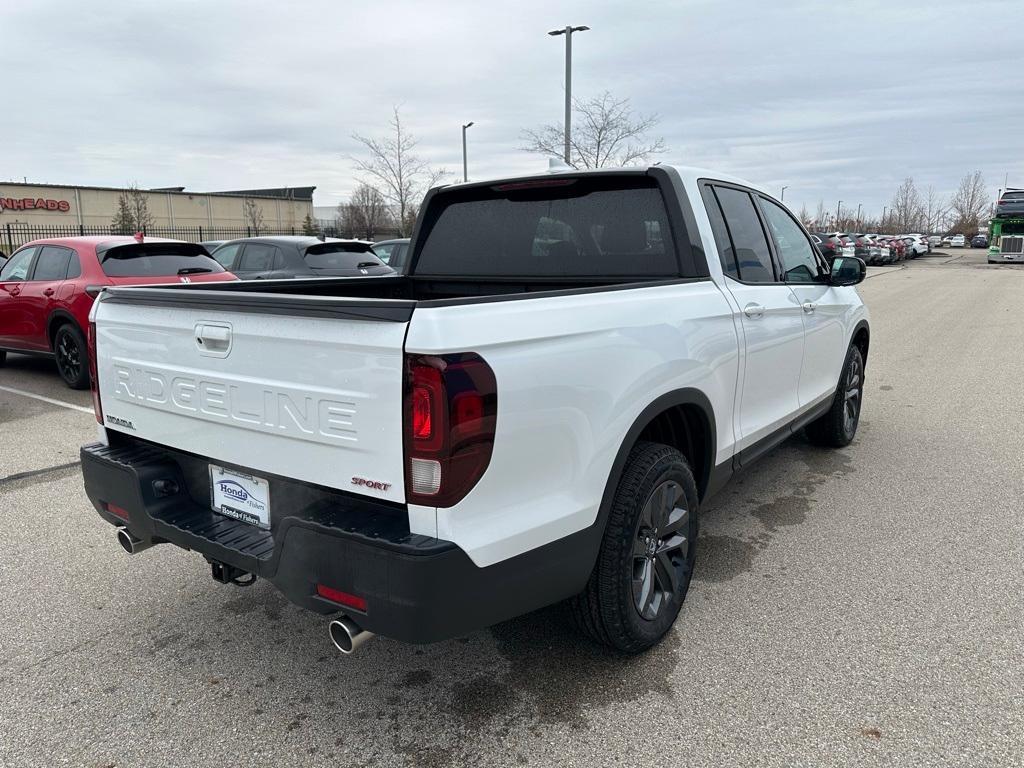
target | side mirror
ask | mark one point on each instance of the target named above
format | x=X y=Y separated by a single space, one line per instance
x=847 y=270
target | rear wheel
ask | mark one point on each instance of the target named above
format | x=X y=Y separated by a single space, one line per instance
x=644 y=567
x=72 y=356
x=3 y=357
x=837 y=427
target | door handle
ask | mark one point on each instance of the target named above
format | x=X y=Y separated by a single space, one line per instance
x=809 y=306
x=49 y=292
x=753 y=310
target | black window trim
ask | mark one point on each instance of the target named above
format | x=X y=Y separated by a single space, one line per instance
x=690 y=261
x=777 y=257
x=776 y=268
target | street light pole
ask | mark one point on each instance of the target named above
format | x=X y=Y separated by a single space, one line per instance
x=782 y=197
x=568 y=80
x=839 y=207
x=858 y=215
x=465 y=165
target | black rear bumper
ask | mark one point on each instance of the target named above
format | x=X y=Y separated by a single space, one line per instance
x=417 y=588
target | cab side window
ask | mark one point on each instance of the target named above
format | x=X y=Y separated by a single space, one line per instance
x=753 y=258
x=726 y=254
x=799 y=264
x=16 y=268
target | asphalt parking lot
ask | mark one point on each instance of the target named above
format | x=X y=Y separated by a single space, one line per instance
x=863 y=607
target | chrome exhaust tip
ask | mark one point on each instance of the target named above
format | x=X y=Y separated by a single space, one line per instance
x=347 y=636
x=129 y=543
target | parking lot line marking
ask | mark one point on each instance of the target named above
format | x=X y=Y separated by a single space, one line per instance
x=36 y=472
x=49 y=400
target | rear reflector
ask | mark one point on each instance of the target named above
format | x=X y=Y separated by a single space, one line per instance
x=341 y=598
x=425 y=476
x=116 y=510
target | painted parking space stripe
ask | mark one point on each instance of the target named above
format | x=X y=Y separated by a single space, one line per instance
x=49 y=400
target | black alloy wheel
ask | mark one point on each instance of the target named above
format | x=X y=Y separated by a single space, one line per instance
x=660 y=549
x=70 y=352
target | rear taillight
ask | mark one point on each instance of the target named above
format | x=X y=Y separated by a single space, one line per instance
x=93 y=381
x=451 y=406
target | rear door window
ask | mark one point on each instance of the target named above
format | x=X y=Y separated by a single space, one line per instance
x=753 y=258
x=726 y=255
x=605 y=226
x=52 y=263
x=16 y=268
x=157 y=260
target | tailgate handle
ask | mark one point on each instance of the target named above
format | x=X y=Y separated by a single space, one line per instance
x=213 y=339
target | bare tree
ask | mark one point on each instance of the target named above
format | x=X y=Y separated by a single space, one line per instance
x=936 y=212
x=605 y=133
x=403 y=177
x=970 y=204
x=805 y=216
x=906 y=211
x=253 y=214
x=132 y=213
x=821 y=216
x=366 y=213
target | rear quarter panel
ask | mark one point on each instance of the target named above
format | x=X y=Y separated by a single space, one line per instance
x=573 y=374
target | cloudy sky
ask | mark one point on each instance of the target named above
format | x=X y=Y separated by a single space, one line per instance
x=836 y=100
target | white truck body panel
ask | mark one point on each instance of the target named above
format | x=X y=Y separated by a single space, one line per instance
x=574 y=373
x=315 y=399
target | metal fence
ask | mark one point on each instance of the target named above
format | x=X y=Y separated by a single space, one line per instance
x=14 y=235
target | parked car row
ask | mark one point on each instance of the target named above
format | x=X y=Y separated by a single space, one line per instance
x=47 y=286
x=872 y=248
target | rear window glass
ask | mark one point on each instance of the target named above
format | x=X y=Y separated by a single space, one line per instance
x=1012 y=196
x=157 y=260
x=602 y=227
x=340 y=256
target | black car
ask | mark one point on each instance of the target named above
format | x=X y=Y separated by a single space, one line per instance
x=829 y=246
x=1011 y=205
x=393 y=252
x=979 y=241
x=260 y=258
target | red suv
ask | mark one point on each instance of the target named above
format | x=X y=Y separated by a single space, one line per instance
x=47 y=288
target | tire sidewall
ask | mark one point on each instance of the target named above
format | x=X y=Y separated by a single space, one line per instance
x=671 y=466
x=853 y=354
x=82 y=381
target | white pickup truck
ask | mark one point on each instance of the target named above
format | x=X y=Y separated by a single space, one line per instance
x=571 y=365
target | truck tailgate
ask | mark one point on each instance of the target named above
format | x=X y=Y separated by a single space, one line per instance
x=315 y=398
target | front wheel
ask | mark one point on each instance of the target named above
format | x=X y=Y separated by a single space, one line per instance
x=645 y=563
x=839 y=425
x=72 y=356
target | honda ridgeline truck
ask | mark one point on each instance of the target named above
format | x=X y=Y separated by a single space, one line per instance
x=534 y=412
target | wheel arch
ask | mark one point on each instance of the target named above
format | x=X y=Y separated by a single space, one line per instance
x=58 y=318
x=861 y=338
x=683 y=419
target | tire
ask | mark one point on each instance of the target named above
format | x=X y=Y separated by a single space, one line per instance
x=838 y=427
x=3 y=357
x=645 y=563
x=72 y=356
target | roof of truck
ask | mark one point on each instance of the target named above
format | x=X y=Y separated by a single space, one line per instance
x=686 y=172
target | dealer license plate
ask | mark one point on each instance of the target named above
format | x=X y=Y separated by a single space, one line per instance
x=243 y=497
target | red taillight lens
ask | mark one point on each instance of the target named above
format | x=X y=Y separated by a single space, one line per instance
x=450 y=415
x=341 y=598
x=93 y=381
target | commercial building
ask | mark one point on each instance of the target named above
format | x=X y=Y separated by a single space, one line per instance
x=36 y=210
